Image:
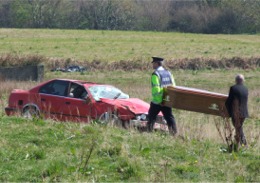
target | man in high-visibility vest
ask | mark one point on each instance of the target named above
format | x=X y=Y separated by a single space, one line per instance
x=159 y=80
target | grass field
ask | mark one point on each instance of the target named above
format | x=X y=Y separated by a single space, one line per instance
x=51 y=151
x=44 y=150
x=125 y=45
x=33 y=151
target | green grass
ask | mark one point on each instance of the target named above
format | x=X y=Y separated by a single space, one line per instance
x=44 y=150
x=49 y=151
x=125 y=45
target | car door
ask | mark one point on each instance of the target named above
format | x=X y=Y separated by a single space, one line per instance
x=52 y=96
x=77 y=108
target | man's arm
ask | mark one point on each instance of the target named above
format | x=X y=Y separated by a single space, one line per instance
x=173 y=81
x=157 y=92
x=229 y=101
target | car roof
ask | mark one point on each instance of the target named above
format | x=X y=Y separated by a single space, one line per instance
x=85 y=83
x=82 y=82
x=77 y=81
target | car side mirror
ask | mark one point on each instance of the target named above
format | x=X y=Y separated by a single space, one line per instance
x=87 y=100
x=71 y=95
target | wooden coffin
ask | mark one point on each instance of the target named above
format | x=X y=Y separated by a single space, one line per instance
x=192 y=99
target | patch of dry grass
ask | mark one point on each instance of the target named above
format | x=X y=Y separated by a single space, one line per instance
x=10 y=60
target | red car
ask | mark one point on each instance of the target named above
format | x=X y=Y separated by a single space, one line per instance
x=75 y=100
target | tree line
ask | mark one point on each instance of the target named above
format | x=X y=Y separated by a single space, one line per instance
x=201 y=16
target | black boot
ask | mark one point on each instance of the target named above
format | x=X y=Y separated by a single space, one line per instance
x=149 y=127
x=243 y=141
x=172 y=129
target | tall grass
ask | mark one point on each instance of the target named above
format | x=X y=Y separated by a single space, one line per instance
x=50 y=151
x=9 y=60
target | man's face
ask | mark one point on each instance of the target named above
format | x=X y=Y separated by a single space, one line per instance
x=155 y=65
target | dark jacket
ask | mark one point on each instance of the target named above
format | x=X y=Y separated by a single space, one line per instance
x=238 y=95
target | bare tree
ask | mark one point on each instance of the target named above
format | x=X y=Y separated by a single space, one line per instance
x=44 y=12
x=106 y=14
x=5 y=8
x=203 y=16
x=153 y=15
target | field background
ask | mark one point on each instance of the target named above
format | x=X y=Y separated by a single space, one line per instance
x=125 y=45
x=51 y=151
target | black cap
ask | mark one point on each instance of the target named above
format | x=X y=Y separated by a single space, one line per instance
x=157 y=59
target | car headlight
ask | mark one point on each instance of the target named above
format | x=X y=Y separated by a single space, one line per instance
x=143 y=117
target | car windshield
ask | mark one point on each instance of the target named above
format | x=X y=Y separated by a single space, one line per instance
x=109 y=92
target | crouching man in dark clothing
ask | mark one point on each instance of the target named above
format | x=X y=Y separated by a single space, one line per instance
x=236 y=105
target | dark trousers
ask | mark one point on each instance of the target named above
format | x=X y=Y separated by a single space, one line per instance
x=167 y=113
x=238 y=124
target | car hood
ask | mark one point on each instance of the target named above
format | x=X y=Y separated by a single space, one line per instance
x=135 y=105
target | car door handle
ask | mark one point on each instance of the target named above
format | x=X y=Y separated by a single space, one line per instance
x=67 y=102
x=43 y=99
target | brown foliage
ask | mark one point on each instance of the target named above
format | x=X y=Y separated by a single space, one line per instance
x=131 y=65
x=10 y=60
x=185 y=64
x=208 y=63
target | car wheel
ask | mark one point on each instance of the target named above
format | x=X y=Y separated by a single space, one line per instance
x=110 y=119
x=30 y=112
